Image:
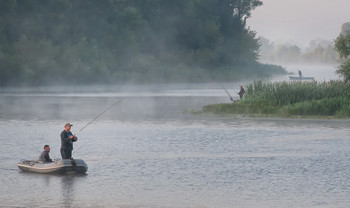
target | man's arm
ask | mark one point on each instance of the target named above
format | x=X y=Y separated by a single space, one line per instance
x=47 y=157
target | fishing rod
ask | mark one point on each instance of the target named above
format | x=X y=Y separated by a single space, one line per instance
x=116 y=103
x=228 y=93
x=35 y=148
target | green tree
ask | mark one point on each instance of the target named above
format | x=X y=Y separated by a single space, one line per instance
x=342 y=45
x=90 y=41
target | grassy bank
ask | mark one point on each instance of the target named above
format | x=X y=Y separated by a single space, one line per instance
x=284 y=99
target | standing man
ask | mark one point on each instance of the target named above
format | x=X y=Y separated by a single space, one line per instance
x=241 y=92
x=45 y=157
x=67 y=139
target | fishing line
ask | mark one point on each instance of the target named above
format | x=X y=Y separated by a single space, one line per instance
x=100 y=114
x=80 y=147
x=35 y=148
x=116 y=103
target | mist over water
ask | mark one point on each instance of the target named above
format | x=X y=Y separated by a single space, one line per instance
x=142 y=101
x=149 y=151
x=320 y=73
x=146 y=152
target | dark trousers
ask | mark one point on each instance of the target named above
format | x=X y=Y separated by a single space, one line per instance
x=66 y=153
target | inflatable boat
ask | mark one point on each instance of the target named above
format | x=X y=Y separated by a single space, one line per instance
x=57 y=166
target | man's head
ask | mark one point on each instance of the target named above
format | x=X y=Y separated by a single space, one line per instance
x=47 y=147
x=67 y=126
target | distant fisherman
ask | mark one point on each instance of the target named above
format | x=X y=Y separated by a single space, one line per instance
x=300 y=74
x=241 y=92
x=67 y=139
x=45 y=157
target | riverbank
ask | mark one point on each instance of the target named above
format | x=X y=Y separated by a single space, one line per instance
x=289 y=99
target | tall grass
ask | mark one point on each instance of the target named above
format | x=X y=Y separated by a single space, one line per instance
x=291 y=99
x=284 y=93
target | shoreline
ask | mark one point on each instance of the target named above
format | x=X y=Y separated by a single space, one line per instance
x=326 y=100
x=267 y=116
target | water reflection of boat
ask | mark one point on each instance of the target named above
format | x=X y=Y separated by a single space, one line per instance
x=58 y=166
x=296 y=78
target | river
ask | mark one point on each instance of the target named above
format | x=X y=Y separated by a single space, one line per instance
x=147 y=152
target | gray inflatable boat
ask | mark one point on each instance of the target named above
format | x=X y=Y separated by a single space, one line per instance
x=57 y=166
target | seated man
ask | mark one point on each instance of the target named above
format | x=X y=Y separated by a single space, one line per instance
x=45 y=157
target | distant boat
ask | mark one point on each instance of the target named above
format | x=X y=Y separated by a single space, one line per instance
x=58 y=166
x=298 y=78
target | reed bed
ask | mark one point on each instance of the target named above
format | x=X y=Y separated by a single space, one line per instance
x=290 y=99
x=284 y=93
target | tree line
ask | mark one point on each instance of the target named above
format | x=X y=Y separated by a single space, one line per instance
x=318 y=52
x=67 y=42
x=342 y=45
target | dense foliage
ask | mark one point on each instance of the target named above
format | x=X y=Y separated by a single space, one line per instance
x=104 y=41
x=342 y=45
x=291 y=99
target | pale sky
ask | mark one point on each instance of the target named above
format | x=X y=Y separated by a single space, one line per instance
x=299 y=21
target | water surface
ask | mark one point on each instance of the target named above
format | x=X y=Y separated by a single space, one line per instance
x=145 y=152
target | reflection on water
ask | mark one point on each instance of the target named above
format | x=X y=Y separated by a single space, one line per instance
x=146 y=153
x=68 y=193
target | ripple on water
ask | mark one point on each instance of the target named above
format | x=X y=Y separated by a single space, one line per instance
x=177 y=160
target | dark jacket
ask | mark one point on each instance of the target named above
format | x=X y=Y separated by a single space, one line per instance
x=66 y=143
x=241 y=92
x=45 y=157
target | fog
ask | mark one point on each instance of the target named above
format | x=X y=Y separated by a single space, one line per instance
x=299 y=35
x=100 y=68
x=299 y=21
x=320 y=73
x=152 y=65
x=142 y=102
x=114 y=42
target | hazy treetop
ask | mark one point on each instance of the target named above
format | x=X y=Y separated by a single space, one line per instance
x=345 y=29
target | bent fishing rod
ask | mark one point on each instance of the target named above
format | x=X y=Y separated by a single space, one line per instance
x=116 y=103
x=228 y=93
